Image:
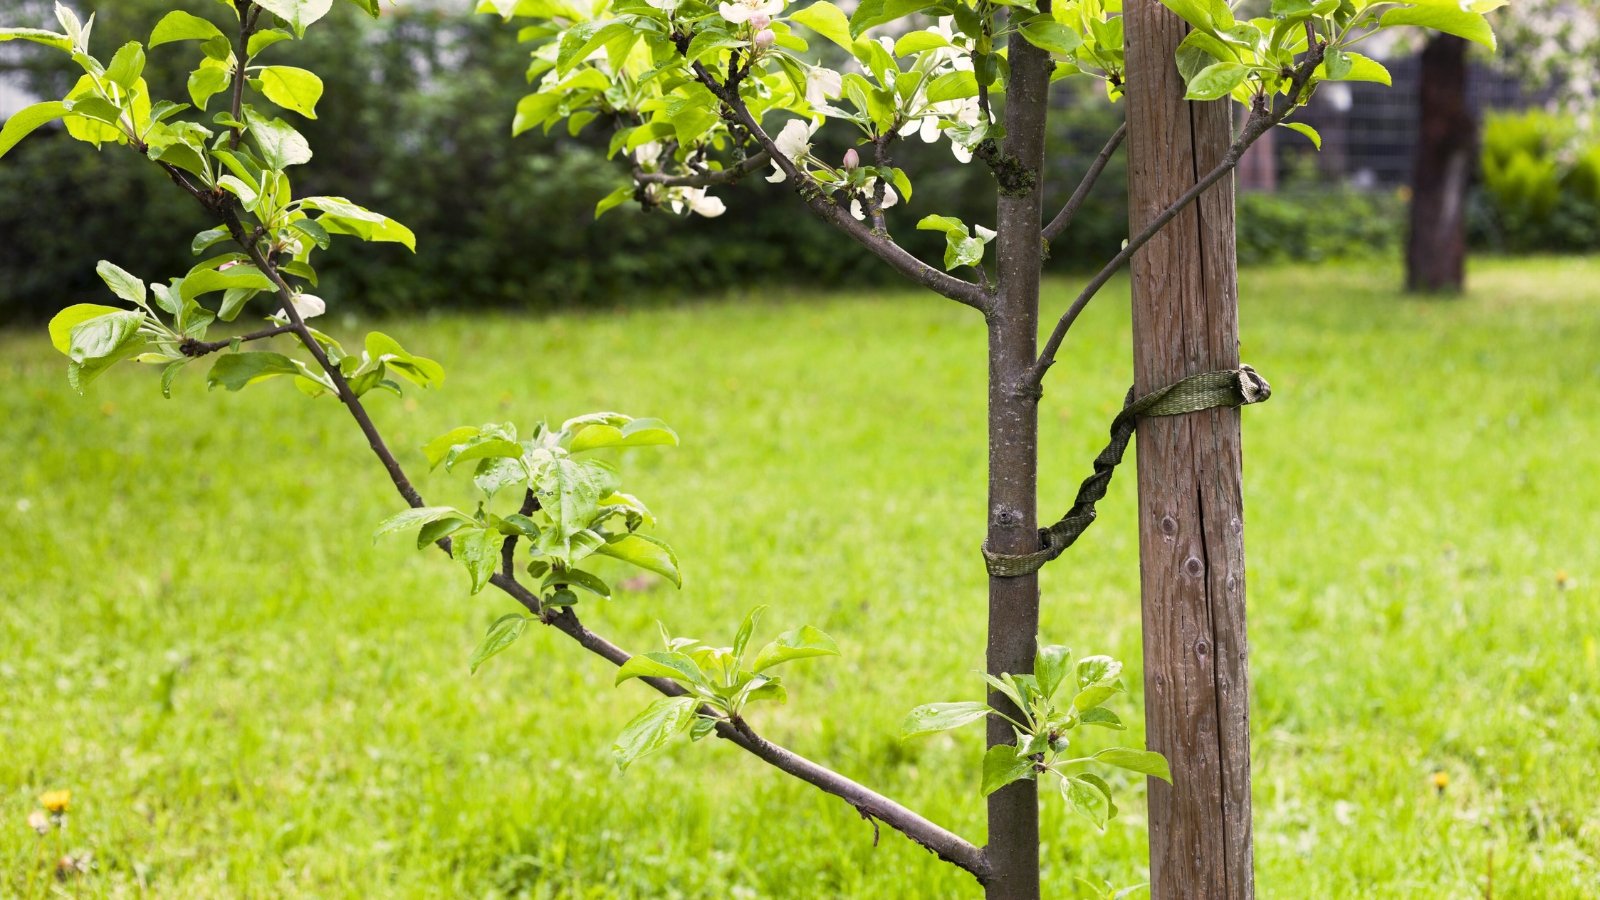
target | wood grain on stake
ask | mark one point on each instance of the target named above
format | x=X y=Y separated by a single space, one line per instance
x=1185 y=321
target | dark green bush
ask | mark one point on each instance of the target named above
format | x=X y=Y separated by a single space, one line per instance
x=1541 y=185
x=1310 y=225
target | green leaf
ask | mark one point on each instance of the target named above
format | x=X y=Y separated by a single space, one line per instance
x=297 y=14
x=38 y=36
x=1097 y=670
x=919 y=42
x=203 y=280
x=1050 y=665
x=1145 y=762
x=502 y=634
x=1047 y=34
x=746 y=628
x=62 y=324
x=419 y=370
x=870 y=13
x=800 y=643
x=668 y=664
x=645 y=552
x=340 y=216
x=1099 y=715
x=281 y=146
x=235 y=371
x=265 y=38
x=437 y=449
x=182 y=26
x=934 y=717
x=650 y=730
x=1216 y=80
x=827 y=20
x=413 y=518
x=1088 y=799
x=1307 y=130
x=103 y=336
x=636 y=433
x=127 y=65
x=479 y=550
x=292 y=88
x=26 y=120
x=1002 y=766
x=953 y=86
x=206 y=82
x=1447 y=16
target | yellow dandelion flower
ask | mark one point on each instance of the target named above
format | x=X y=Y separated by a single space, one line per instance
x=56 y=801
x=1441 y=780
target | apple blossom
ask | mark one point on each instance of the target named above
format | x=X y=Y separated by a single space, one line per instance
x=852 y=159
x=741 y=11
x=764 y=39
x=794 y=142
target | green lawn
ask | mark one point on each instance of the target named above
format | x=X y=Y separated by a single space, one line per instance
x=247 y=697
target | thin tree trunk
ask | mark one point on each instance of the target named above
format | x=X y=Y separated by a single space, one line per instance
x=1013 y=849
x=1191 y=538
x=1436 y=250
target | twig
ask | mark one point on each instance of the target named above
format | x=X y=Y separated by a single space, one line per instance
x=1261 y=119
x=191 y=347
x=957 y=289
x=1065 y=216
x=729 y=175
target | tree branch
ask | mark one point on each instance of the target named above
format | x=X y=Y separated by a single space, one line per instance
x=943 y=843
x=729 y=175
x=192 y=348
x=956 y=289
x=1065 y=216
x=1261 y=119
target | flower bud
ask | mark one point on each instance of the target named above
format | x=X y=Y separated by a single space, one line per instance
x=852 y=159
x=760 y=21
x=764 y=39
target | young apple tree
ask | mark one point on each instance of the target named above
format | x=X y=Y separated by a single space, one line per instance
x=699 y=95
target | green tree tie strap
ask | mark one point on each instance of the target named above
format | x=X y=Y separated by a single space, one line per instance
x=1208 y=390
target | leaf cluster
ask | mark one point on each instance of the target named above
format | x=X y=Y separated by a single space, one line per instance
x=1043 y=709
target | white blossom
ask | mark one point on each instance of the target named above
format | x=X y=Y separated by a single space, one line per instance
x=309 y=306
x=870 y=188
x=740 y=11
x=794 y=142
x=696 y=200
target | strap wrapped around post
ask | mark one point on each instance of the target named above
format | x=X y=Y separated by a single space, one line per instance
x=1208 y=390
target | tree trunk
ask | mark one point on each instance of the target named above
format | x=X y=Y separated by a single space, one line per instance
x=1191 y=537
x=1013 y=848
x=1436 y=250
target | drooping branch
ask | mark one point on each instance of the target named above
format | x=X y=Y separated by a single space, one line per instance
x=192 y=348
x=816 y=199
x=1065 y=216
x=1262 y=117
x=943 y=843
x=731 y=174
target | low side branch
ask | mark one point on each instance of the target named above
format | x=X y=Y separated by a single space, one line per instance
x=943 y=843
x=880 y=245
x=1261 y=119
x=1065 y=216
x=733 y=173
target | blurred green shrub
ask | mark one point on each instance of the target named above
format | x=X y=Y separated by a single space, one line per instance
x=1541 y=185
x=1311 y=224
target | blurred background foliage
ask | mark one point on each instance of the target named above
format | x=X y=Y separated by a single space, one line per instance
x=415 y=122
x=1541 y=184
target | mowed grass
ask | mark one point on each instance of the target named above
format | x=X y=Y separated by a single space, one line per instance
x=248 y=698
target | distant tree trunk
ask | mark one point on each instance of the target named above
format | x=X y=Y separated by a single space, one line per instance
x=1436 y=251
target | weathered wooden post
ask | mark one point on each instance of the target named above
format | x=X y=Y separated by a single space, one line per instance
x=1191 y=537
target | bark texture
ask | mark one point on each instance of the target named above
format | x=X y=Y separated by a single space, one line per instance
x=1013 y=850
x=1191 y=539
x=1436 y=249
